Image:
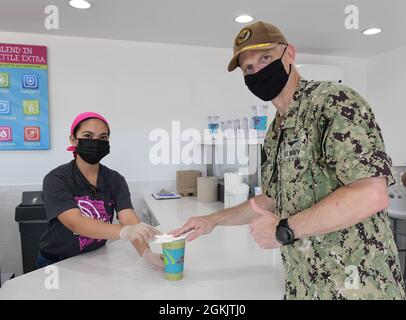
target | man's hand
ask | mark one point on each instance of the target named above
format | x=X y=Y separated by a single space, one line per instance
x=200 y=225
x=263 y=228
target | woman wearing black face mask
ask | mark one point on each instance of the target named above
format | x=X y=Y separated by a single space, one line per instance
x=81 y=197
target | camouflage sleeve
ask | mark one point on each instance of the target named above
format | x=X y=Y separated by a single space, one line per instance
x=352 y=141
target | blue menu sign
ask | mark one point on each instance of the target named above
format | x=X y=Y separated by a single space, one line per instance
x=24 y=109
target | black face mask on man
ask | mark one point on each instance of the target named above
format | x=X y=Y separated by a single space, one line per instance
x=268 y=82
x=92 y=150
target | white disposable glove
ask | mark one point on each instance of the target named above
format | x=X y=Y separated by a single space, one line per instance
x=154 y=259
x=141 y=231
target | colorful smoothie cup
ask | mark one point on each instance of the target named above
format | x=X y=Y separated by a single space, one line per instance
x=174 y=256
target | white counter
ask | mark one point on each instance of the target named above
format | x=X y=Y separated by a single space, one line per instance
x=226 y=264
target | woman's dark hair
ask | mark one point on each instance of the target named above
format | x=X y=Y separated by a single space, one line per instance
x=75 y=131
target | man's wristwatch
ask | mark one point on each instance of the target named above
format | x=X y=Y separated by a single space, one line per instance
x=284 y=234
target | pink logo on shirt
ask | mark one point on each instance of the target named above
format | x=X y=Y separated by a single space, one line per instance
x=93 y=209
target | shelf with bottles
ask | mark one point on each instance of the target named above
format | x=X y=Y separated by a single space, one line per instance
x=225 y=140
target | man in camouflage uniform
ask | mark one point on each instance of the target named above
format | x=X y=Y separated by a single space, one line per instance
x=324 y=176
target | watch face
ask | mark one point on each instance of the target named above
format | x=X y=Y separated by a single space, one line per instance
x=283 y=235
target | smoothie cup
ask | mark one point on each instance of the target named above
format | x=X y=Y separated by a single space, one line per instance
x=174 y=255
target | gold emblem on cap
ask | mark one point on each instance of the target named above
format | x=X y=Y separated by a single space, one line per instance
x=243 y=36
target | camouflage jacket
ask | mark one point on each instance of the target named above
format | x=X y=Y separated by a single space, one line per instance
x=328 y=139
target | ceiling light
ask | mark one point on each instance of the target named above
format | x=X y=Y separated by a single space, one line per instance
x=80 y=4
x=244 y=19
x=371 y=31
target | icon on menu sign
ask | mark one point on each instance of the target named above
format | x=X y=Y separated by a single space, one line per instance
x=4 y=107
x=5 y=134
x=4 y=80
x=30 y=81
x=32 y=134
x=31 y=107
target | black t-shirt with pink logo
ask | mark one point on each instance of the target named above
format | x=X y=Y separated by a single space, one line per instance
x=66 y=188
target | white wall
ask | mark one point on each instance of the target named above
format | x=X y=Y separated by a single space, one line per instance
x=386 y=87
x=138 y=87
x=355 y=69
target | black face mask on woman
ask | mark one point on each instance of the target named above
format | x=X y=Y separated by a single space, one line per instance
x=92 y=150
x=268 y=82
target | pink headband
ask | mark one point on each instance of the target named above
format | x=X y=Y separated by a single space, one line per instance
x=80 y=118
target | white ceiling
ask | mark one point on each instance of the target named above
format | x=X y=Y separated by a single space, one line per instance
x=314 y=26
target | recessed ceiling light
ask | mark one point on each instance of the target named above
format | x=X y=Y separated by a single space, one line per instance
x=80 y=4
x=244 y=19
x=371 y=31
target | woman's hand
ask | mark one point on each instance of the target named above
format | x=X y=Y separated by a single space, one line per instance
x=140 y=231
x=156 y=260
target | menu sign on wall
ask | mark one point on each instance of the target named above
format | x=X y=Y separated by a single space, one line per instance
x=24 y=110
